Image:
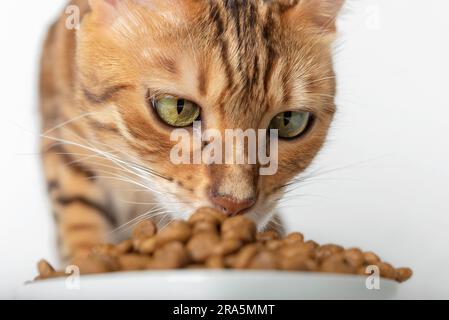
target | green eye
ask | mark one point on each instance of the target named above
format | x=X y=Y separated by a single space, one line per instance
x=291 y=124
x=176 y=112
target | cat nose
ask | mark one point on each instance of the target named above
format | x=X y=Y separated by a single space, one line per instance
x=230 y=205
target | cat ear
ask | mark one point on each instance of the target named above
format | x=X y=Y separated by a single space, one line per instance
x=322 y=13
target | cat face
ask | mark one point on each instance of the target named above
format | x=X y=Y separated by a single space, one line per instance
x=229 y=64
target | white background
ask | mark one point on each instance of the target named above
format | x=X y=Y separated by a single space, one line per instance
x=389 y=143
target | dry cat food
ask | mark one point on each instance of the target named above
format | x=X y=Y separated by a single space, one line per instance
x=212 y=241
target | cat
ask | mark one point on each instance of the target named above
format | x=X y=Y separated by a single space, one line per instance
x=110 y=86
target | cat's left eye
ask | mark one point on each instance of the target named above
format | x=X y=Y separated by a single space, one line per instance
x=291 y=124
x=176 y=112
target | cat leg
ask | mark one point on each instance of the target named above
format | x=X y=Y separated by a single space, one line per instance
x=81 y=209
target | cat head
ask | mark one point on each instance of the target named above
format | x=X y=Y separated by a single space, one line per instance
x=148 y=67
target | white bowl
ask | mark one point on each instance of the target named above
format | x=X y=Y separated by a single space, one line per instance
x=211 y=285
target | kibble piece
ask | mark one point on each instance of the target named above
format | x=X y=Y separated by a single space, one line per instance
x=207 y=215
x=362 y=271
x=176 y=231
x=45 y=269
x=173 y=255
x=371 y=258
x=145 y=229
x=387 y=270
x=238 y=234
x=298 y=263
x=267 y=236
x=105 y=250
x=294 y=238
x=227 y=246
x=109 y=261
x=354 y=257
x=125 y=246
x=337 y=264
x=130 y=262
x=201 y=245
x=327 y=250
x=403 y=274
x=215 y=262
x=236 y=222
x=312 y=244
x=240 y=228
x=244 y=256
x=147 y=246
x=274 y=244
x=230 y=261
x=205 y=227
x=264 y=260
x=297 y=249
x=94 y=264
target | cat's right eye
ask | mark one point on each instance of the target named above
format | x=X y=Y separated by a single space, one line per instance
x=176 y=112
x=291 y=124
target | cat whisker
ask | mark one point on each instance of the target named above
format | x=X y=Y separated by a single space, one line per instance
x=151 y=203
x=119 y=162
x=322 y=172
x=126 y=178
x=296 y=196
x=119 y=178
x=65 y=123
x=292 y=206
x=134 y=165
x=307 y=182
x=146 y=215
x=87 y=160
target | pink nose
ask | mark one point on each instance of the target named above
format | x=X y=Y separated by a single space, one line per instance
x=230 y=205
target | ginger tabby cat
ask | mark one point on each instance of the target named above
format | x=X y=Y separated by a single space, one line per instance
x=107 y=89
